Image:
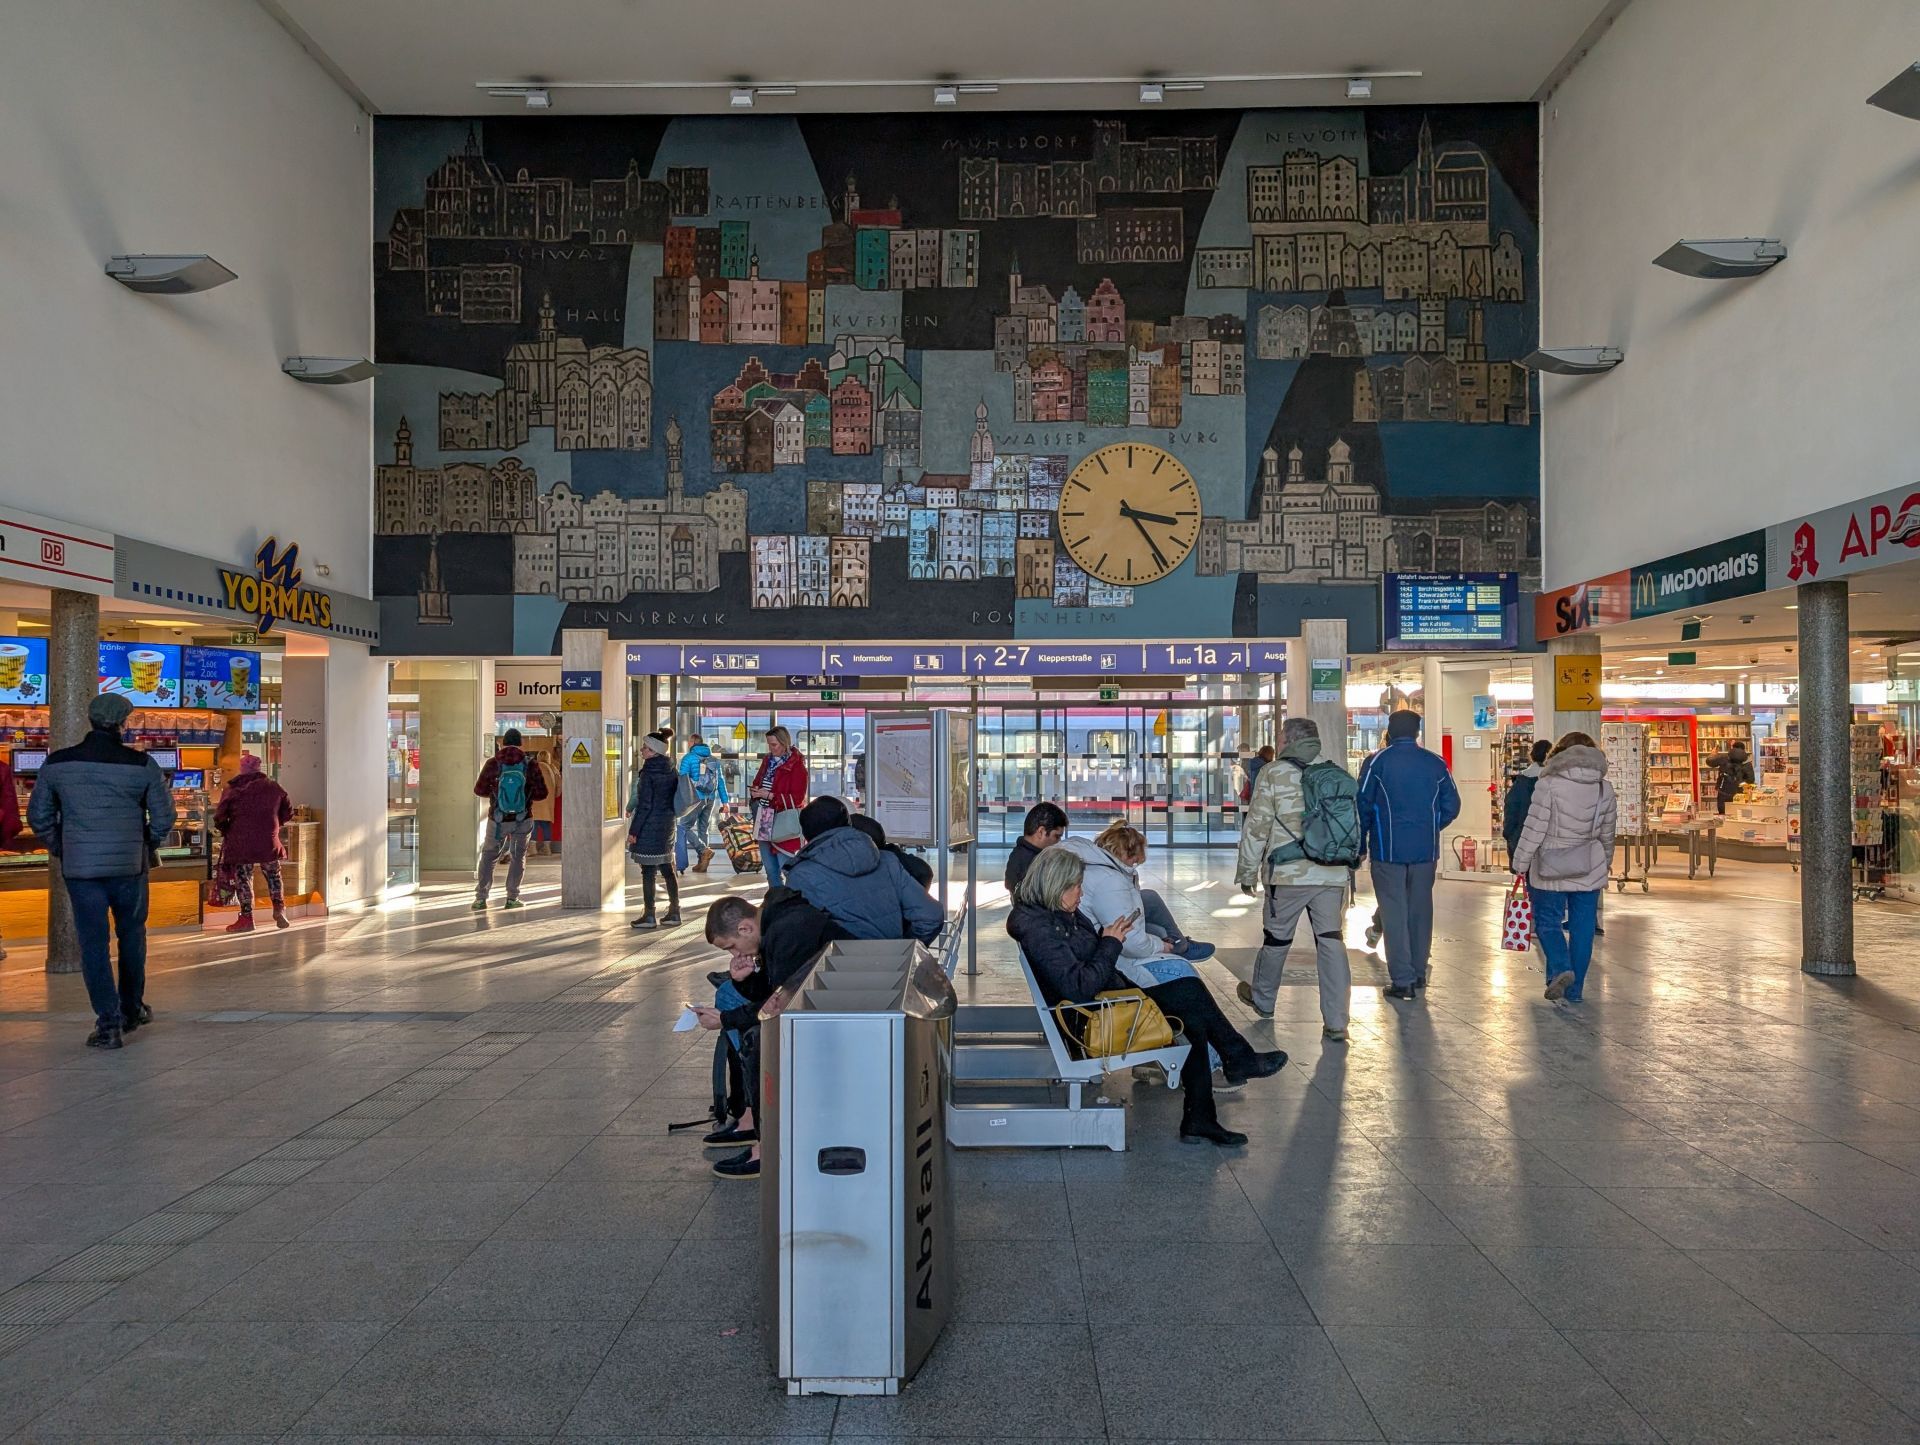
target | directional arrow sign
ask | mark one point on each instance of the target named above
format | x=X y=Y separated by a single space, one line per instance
x=1576 y=682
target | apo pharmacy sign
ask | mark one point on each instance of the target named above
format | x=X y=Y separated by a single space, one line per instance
x=1872 y=532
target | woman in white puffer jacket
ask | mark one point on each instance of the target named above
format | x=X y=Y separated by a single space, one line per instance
x=1564 y=851
x=1110 y=891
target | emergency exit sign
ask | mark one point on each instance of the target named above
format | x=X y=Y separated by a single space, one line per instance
x=1109 y=692
x=829 y=694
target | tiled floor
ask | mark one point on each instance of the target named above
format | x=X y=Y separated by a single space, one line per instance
x=405 y=1176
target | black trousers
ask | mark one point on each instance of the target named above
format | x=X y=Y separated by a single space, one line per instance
x=1190 y=1001
x=651 y=871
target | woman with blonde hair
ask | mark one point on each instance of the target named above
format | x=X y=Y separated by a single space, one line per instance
x=779 y=786
x=1113 y=858
x=1073 y=962
x=1565 y=848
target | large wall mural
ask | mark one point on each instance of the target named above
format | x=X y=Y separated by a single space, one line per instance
x=1202 y=373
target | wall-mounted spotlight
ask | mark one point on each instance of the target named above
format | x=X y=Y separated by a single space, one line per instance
x=1152 y=92
x=1901 y=95
x=1359 y=88
x=1574 y=360
x=537 y=97
x=1723 y=260
x=168 y=275
x=329 y=370
x=741 y=97
x=946 y=95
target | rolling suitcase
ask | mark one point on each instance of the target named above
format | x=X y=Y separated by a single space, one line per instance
x=742 y=851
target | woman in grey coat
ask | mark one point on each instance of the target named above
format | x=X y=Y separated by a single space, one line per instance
x=1564 y=851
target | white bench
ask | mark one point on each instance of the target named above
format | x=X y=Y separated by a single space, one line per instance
x=995 y=1045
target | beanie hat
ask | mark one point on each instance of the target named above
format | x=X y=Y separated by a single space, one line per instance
x=656 y=744
x=109 y=710
x=1403 y=724
x=249 y=763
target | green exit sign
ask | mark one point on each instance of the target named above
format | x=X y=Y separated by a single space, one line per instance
x=244 y=639
x=1109 y=692
x=829 y=694
x=1680 y=659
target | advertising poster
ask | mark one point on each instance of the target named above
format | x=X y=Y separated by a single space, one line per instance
x=23 y=671
x=223 y=678
x=146 y=674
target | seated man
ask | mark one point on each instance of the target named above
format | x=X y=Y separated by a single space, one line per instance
x=918 y=869
x=765 y=947
x=1045 y=825
x=865 y=891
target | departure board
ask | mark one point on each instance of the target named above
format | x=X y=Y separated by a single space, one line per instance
x=1449 y=611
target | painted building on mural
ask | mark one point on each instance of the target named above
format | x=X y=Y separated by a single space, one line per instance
x=886 y=381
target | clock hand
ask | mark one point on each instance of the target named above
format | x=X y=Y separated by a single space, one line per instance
x=1159 y=558
x=1162 y=517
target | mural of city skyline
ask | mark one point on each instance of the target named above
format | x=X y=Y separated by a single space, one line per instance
x=762 y=378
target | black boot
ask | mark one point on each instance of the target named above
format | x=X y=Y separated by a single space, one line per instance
x=1257 y=1066
x=1206 y=1128
x=104 y=1038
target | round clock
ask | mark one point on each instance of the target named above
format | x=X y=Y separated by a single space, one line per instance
x=1129 y=514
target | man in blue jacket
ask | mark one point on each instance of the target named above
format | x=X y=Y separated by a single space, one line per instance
x=1406 y=797
x=702 y=770
x=864 y=890
x=102 y=808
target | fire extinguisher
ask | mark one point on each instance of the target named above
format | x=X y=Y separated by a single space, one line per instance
x=1466 y=852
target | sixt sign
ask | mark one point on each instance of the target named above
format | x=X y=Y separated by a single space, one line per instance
x=1733 y=568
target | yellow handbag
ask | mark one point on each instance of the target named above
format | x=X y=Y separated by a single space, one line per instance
x=1118 y=1021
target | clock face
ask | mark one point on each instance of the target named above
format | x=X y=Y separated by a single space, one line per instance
x=1129 y=514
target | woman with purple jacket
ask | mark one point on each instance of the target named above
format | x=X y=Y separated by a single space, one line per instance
x=250 y=814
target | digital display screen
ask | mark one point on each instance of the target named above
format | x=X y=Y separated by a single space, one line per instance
x=29 y=762
x=222 y=678
x=1449 y=611
x=146 y=674
x=23 y=671
x=195 y=778
x=166 y=759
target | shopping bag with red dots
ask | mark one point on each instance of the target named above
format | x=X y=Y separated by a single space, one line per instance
x=1516 y=931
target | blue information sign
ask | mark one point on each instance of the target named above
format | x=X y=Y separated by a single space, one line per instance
x=1450 y=611
x=808 y=665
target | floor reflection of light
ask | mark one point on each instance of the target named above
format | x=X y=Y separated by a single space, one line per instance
x=1498 y=978
x=1228 y=912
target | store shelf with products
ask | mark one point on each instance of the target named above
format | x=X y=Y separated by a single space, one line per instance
x=1671 y=772
x=1513 y=754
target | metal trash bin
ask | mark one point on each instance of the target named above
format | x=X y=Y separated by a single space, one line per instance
x=856 y=1211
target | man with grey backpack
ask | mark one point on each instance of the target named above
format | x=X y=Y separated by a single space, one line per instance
x=1298 y=848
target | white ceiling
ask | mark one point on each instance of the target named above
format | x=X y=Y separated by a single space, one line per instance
x=426 y=56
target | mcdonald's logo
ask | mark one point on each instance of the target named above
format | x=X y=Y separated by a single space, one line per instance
x=1646 y=593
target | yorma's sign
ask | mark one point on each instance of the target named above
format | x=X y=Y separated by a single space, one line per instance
x=1701 y=575
x=1873 y=532
x=272 y=592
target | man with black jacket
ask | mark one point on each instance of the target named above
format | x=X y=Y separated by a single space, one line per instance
x=1045 y=825
x=766 y=947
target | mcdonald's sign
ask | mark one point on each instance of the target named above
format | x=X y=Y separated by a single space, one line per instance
x=1734 y=568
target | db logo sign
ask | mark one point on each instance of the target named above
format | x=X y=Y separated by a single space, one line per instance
x=53 y=552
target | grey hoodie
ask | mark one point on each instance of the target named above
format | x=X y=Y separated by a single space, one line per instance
x=1570 y=824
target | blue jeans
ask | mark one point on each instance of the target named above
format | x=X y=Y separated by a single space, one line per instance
x=691 y=833
x=772 y=859
x=1565 y=924
x=125 y=898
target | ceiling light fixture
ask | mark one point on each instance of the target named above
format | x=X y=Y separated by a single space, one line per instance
x=168 y=275
x=1152 y=92
x=329 y=370
x=1574 y=360
x=1901 y=95
x=946 y=95
x=1359 y=88
x=1723 y=260
x=536 y=97
x=737 y=90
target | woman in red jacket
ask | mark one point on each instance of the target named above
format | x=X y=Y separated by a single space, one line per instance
x=780 y=784
x=251 y=812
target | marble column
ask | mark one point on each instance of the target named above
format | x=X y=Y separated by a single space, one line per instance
x=1321 y=640
x=73 y=666
x=1826 y=782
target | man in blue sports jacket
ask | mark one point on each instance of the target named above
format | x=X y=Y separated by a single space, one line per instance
x=1406 y=797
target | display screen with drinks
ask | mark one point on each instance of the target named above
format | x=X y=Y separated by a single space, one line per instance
x=23 y=671
x=146 y=674
x=222 y=678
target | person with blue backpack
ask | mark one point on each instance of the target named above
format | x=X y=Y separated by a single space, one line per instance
x=702 y=789
x=1407 y=797
x=511 y=784
x=1298 y=848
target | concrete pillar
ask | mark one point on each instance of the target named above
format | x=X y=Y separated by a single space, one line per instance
x=1584 y=721
x=595 y=766
x=1322 y=643
x=455 y=739
x=1826 y=782
x=73 y=678
x=1545 y=721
